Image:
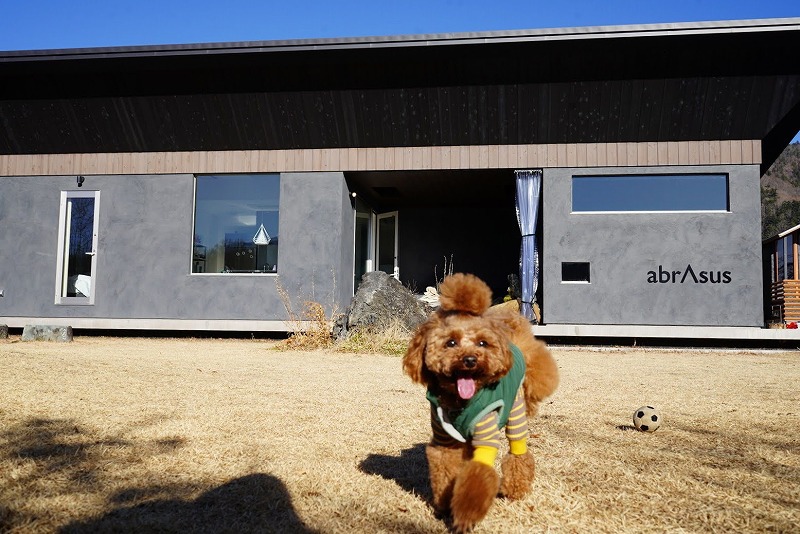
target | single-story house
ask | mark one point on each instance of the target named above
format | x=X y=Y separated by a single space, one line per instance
x=211 y=186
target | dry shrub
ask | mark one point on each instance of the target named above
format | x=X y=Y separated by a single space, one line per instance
x=310 y=329
x=389 y=339
x=446 y=271
x=314 y=332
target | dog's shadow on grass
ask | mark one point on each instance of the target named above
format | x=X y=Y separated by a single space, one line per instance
x=409 y=470
x=252 y=503
x=61 y=460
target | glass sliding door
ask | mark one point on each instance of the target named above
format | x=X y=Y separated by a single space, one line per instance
x=387 y=243
x=77 y=247
x=364 y=250
x=375 y=243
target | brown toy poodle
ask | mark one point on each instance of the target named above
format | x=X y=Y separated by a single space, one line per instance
x=484 y=371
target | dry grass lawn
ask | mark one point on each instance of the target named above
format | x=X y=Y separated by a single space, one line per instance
x=186 y=435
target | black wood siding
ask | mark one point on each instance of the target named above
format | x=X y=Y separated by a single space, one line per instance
x=575 y=91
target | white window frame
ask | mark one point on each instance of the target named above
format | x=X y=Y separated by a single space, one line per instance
x=386 y=215
x=62 y=255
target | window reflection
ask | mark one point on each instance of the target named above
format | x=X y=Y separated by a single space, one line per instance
x=236 y=224
x=80 y=238
x=680 y=192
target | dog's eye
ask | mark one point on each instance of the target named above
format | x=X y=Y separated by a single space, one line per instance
x=451 y=343
x=483 y=343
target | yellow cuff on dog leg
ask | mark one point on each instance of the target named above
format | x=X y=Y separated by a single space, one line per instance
x=518 y=447
x=485 y=455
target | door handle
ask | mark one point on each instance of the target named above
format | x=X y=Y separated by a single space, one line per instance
x=90 y=253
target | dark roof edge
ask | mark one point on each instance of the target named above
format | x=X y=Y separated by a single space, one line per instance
x=441 y=39
x=780 y=235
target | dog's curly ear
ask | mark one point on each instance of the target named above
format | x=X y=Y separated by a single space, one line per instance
x=414 y=359
x=464 y=293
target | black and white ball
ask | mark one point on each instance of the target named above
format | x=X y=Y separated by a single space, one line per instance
x=647 y=419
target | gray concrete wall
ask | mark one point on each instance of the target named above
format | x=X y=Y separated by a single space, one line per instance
x=318 y=255
x=622 y=248
x=144 y=254
x=145 y=246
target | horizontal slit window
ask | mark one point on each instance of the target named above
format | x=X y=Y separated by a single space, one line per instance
x=648 y=193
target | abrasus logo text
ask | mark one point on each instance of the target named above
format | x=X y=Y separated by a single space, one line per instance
x=688 y=275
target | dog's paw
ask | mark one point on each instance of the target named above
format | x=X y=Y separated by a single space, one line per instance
x=518 y=473
x=473 y=493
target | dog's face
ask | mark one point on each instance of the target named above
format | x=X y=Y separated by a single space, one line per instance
x=458 y=354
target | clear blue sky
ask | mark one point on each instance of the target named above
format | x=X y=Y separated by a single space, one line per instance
x=46 y=24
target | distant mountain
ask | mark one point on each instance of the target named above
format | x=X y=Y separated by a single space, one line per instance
x=780 y=193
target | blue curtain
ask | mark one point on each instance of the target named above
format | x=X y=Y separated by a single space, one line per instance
x=529 y=185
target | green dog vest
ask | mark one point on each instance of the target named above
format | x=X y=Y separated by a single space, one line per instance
x=498 y=396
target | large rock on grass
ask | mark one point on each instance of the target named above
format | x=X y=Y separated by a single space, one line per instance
x=379 y=301
x=46 y=333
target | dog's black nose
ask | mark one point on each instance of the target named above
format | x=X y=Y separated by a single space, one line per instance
x=469 y=361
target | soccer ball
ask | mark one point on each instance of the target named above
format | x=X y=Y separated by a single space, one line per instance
x=647 y=419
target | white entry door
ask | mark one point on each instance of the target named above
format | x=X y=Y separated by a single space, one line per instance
x=387 y=243
x=77 y=247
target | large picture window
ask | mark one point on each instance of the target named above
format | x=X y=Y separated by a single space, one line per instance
x=649 y=193
x=236 y=223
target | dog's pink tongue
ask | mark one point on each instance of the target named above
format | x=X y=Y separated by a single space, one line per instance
x=466 y=388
